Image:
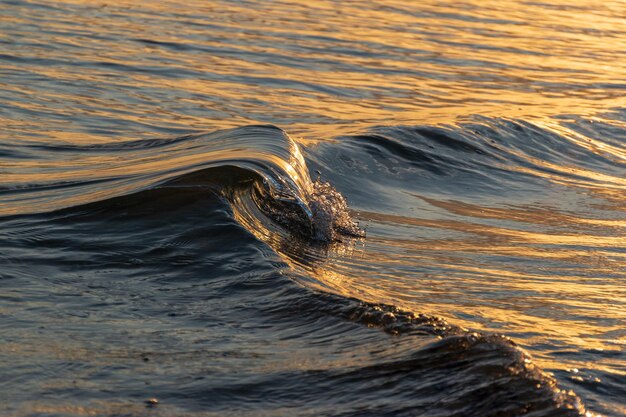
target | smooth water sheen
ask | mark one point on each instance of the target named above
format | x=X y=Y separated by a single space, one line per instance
x=312 y=208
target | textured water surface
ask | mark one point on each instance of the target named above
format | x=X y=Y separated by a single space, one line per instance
x=330 y=208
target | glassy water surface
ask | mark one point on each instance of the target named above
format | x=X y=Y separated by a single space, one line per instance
x=173 y=180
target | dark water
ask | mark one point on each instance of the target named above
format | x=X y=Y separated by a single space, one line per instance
x=161 y=238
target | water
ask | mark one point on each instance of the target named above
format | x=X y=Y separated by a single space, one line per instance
x=435 y=226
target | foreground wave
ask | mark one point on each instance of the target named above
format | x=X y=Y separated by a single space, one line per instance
x=258 y=175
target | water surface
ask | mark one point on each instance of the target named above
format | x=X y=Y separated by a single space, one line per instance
x=172 y=185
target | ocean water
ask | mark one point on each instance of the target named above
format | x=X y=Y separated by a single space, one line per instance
x=276 y=208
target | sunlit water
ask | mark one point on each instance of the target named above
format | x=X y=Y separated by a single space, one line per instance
x=159 y=240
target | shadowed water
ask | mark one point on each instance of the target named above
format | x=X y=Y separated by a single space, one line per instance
x=441 y=235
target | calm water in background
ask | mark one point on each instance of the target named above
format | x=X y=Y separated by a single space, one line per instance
x=481 y=145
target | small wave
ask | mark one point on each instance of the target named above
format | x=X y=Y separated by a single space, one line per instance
x=284 y=190
x=99 y=172
x=486 y=155
x=468 y=373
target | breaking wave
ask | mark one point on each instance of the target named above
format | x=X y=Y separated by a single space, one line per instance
x=262 y=174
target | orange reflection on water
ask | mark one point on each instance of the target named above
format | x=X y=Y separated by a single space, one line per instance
x=320 y=67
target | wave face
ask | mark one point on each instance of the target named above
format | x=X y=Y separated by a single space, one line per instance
x=95 y=172
x=441 y=235
x=285 y=191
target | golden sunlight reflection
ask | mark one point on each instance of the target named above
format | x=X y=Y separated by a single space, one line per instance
x=390 y=63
